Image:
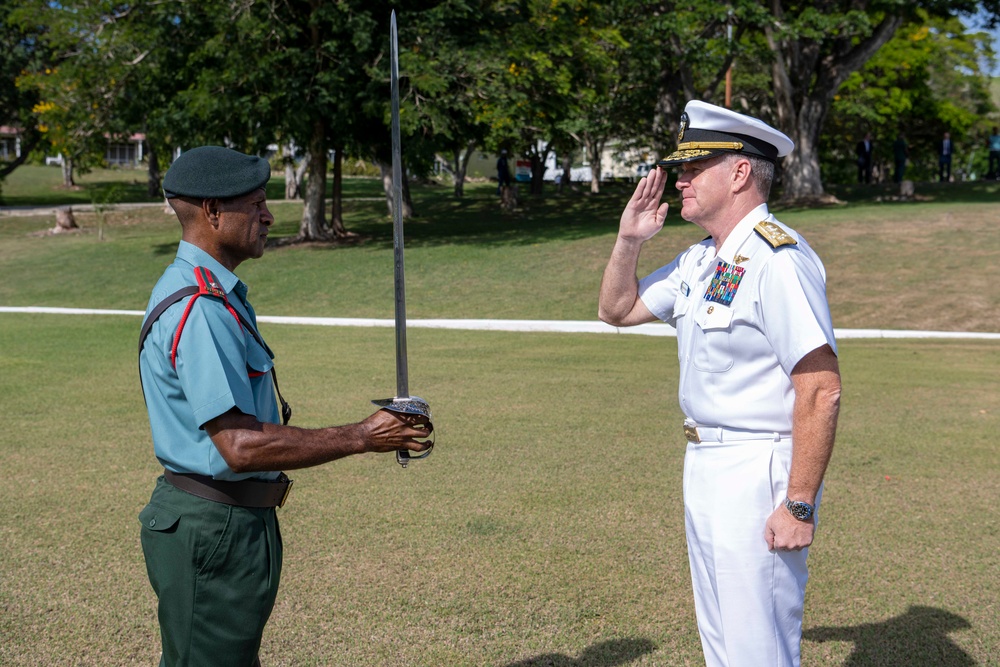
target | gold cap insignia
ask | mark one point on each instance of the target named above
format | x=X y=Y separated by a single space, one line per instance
x=686 y=154
x=682 y=127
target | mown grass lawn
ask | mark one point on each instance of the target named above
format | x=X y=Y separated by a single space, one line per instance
x=547 y=528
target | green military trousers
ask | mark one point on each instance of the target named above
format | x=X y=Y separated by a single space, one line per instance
x=215 y=569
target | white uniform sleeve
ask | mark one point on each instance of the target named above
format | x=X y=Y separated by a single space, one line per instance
x=794 y=310
x=659 y=289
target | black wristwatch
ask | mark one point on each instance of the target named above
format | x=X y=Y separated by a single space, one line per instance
x=800 y=510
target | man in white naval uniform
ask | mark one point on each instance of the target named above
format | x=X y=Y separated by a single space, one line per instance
x=759 y=379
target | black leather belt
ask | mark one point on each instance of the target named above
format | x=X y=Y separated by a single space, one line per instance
x=245 y=493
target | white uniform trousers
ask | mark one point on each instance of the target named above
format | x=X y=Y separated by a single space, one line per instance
x=748 y=599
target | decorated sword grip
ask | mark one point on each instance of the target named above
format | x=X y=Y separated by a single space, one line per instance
x=411 y=405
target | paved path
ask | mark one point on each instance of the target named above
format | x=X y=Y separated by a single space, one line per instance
x=557 y=326
x=8 y=211
x=85 y=208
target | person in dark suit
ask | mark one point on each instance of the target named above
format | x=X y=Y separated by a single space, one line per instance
x=864 y=151
x=993 y=143
x=503 y=172
x=900 y=152
x=945 y=150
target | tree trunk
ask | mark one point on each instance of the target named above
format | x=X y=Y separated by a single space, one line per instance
x=567 y=171
x=67 y=172
x=461 y=166
x=537 y=172
x=294 y=172
x=386 y=171
x=408 y=211
x=508 y=198
x=337 y=203
x=313 y=226
x=800 y=172
x=300 y=171
x=153 y=171
x=595 y=147
x=801 y=111
x=291 y=185
x=455 y=166
x=65 y=220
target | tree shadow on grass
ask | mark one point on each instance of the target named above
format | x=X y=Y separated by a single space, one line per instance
x=477 y=220
x=918 y=638
x=605 y=654
x=965 y=192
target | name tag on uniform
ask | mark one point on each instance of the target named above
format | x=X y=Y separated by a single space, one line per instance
x=685 y=289
x=725 y=283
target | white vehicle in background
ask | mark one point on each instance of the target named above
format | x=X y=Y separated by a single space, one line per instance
x=576 y=174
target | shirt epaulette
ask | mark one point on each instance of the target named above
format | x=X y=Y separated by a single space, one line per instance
x=207 y=285
x=774 y=234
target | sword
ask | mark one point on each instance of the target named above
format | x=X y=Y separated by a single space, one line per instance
x=402 y=402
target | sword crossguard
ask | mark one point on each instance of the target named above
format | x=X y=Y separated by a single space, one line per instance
x=411 y=405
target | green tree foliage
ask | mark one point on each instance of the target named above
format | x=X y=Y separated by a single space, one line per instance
x=315 y=74
x=528 y=75
x=72 y=88
x=596 y=110
x=22 y=51
x=558 y=68
x=679 y=52
x=923 y=82
x=124 y=68
x=450 y=62
x=815 y=47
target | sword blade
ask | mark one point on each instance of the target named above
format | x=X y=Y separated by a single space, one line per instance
x=402 y=373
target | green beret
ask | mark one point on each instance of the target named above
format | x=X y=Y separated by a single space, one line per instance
x=214 y=172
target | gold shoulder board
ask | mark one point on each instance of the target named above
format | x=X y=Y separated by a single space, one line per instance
x=774 y=234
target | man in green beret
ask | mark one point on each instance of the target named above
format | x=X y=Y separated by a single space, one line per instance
x=210 y=531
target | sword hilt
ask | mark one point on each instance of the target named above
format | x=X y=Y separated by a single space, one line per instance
x=410 y=405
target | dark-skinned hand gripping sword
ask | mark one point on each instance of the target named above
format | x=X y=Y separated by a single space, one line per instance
x=402 y=402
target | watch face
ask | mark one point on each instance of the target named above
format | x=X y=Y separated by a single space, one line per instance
x=800 y=510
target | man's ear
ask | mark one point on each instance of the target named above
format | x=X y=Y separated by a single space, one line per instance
x=741 y=174
x=210 y=207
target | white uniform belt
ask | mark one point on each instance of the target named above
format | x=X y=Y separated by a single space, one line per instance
x=697 y=433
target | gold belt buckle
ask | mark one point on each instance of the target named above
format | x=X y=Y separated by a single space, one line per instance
x=288 y=489
x=691 y=433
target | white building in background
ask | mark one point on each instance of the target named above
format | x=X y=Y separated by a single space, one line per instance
x=127 y=152
x=10 y=143
x=120 y=152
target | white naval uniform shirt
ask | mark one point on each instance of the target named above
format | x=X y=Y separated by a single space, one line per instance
x=739 y=337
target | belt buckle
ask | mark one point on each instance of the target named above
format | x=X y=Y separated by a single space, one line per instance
x=288 y=489
x=691 y=433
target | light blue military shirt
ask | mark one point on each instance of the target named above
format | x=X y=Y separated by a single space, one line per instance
x=220 y=366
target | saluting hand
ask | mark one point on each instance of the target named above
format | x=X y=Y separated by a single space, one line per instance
x=644 y=215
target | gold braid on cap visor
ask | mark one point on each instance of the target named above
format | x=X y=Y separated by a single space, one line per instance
x=711 y=145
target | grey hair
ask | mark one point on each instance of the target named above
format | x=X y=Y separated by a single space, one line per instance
x=761 y=172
